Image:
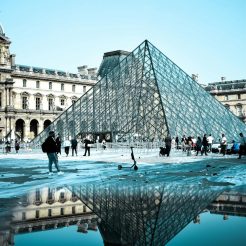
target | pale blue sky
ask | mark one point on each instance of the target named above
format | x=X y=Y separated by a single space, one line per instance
x=205 y=37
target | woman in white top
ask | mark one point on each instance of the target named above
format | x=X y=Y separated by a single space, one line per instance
x=67 y=144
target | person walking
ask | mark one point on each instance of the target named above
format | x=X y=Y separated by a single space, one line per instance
x=74 y=144
x=87 y=143
x=51 y=150
x=242 y=148
x=223 y=144
x=204 y=144
x=67 y=146
x=58 y=142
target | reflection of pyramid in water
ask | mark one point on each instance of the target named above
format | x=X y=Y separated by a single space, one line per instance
x=149 y=214
x=146 y=95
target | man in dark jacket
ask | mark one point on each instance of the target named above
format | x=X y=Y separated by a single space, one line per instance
x=52 y=149
x=87 y=146
x=74 y=144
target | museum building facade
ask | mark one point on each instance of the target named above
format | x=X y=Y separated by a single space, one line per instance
x=32 y=97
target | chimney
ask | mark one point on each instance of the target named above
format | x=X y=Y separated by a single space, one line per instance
x=12 y=60
x=92 y=71
x=83 y=70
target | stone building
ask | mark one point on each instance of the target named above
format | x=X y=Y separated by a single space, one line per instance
x=232 y=94
x=32 y=97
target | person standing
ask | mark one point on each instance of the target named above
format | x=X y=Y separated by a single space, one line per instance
x=51 y=150
x=17 y=146
x=177 y=142
x=242 y=147
x=210 y=142
x=58 y=142
x=183 y=143
x=67 y=146
x=74 y=144
x=198 y=145
x=104 y=144
x=223 y=144
x=205 y=144
x=87 y=143
x=168 y=142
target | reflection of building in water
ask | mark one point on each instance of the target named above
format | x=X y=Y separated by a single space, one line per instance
x=48 y=208
x=229 y=203
x=145 y=215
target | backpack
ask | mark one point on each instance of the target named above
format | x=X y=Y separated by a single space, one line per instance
x=44 y=147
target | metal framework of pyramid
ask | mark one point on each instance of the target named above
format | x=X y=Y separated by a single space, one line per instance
x=145 y=97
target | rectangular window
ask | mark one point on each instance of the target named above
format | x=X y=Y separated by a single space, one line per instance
x=0 y=99
x=49 y=212
x=62 y=102
x=62 y=87
x=24 y=82
x=73 y=88
x=238 y=96
x=24 y=102
x=50 y=85
x=84 y=208
x=51 y=104
x=62 y=211
x=37 y=84
x=226 y=97
x=73 y=210
x=84 y=89
x=38 y=102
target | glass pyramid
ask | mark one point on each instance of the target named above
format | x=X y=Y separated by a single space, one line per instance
x=145 y=97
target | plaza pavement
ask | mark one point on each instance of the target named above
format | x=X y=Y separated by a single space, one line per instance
x=29 y=169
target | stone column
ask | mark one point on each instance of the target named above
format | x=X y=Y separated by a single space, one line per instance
x=40 y=124
x=7 y=96
x=26 y=129
x=7 y=125
x=10 y=97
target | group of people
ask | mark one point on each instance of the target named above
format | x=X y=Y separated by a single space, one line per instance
x=52 y=146
x=203 y=145
x=73 y=144
x=8 y=146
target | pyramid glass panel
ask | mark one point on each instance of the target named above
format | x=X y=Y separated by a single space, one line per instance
x=145 y=97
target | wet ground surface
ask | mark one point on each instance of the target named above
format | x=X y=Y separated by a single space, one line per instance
x=187 y=185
